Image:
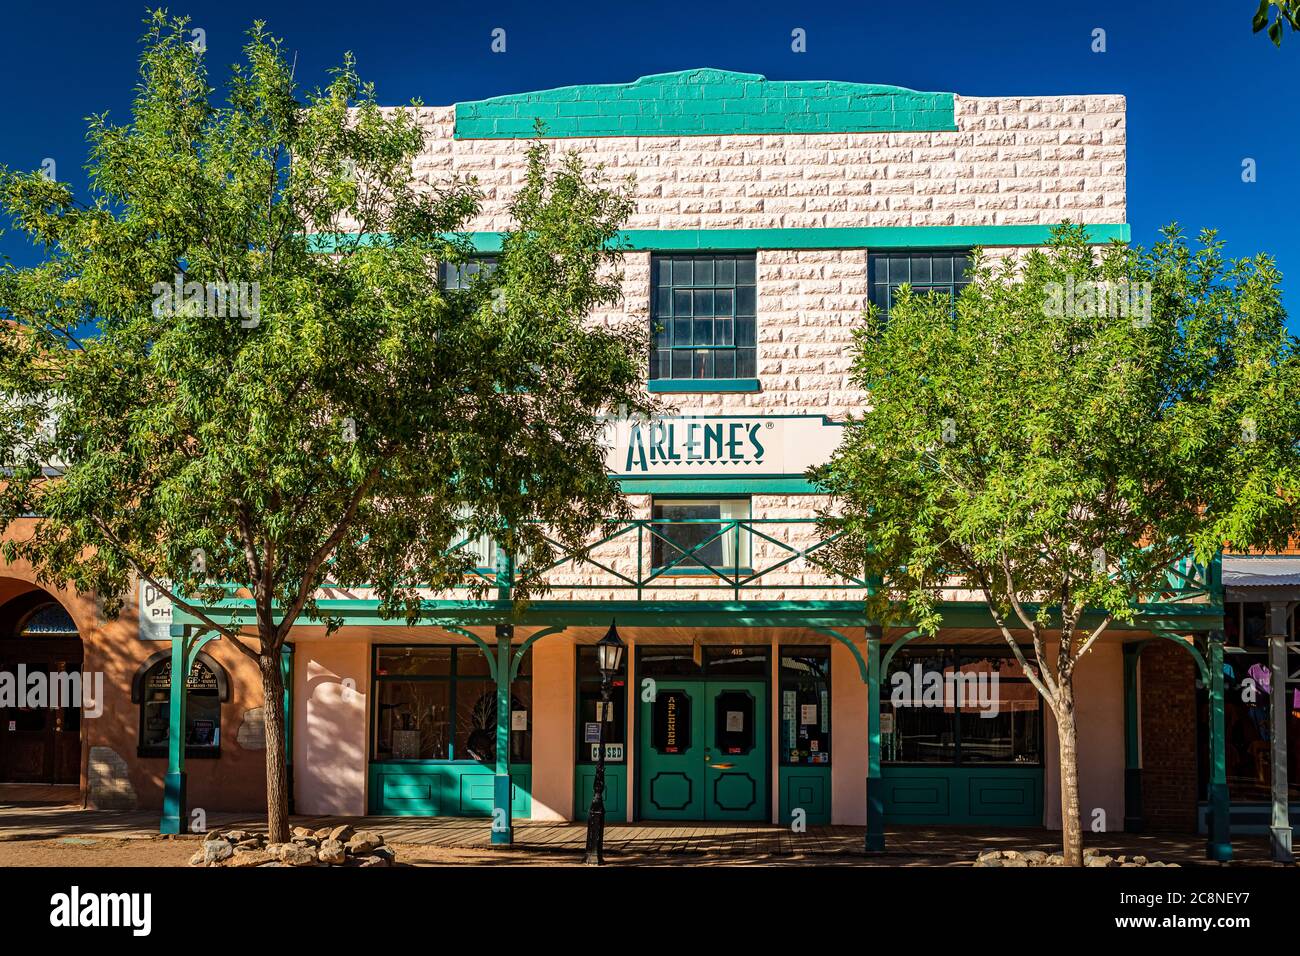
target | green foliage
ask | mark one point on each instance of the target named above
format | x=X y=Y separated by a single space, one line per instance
x=361 y=421
x=1056 y=451
x=1287 y=12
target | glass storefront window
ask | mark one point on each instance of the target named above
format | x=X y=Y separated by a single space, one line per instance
x=696 y=536
x=588 y=703
x=1248 y=709
x=959 y=706
x=202 y=711
x=805 y=706
x=440 y=703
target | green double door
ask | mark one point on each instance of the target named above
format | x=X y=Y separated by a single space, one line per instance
x=703 y=751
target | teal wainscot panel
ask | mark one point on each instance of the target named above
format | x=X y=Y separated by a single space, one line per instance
x=981 y=796
x=443 y=789
x=807 y=789
x=615 y=791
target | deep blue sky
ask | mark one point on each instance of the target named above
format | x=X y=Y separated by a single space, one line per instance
x=1203 y=92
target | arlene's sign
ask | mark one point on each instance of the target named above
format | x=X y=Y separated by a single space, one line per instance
x=724 y=445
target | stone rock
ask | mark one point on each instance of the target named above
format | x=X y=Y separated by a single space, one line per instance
x=364 y=841
x=198 y=858
x=1012 y=855
x=238 y=836
x=214 y=837
x=1131 y=864
x=309 y=842
x=1015 y=863
x=1056 y=859
x=1036 y=856
x=1097 y=861
x=1156 y=863
x=1089 y=851
x=301 y=832
x=275 y=849
x=374 y=860
x=1141 y=860
x=989 y=855
x=1121 y=859
x=253 y=843
x=295 y=855
x=214 y=851
x=332 y=852
x=342 y=833
x=322 y=834
x=251 y=858
x=382 y=852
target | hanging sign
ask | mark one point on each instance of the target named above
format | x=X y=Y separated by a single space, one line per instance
x=518 y=720
x=727 y=445
x=155 y=613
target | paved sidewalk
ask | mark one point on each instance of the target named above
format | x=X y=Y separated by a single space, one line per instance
x=739 y=843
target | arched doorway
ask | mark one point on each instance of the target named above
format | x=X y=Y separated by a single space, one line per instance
x=40 y=733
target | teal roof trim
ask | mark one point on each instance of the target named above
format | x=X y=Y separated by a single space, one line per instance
x=706 y=102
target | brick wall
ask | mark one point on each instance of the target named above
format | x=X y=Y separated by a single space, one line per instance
x=1168 y=707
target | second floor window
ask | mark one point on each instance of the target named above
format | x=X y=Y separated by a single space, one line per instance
x=703 y=320
x=455 y=275
x=946 y=272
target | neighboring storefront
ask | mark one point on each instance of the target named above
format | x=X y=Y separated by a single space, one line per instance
x=768 y=215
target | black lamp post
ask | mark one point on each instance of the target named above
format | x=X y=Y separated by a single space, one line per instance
x=609 y=657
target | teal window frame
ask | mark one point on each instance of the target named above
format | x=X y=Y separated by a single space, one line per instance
x=688 y=566
x=704 y=322
x=956 y=653
x=453 y=677
x=890 y=268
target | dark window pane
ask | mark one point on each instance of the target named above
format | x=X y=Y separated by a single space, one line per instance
x=703 y=271
x=724 y=363
x=681 y=332
x=805 y=706
x=745 y=270
x=724 y=271
x=723 y=332
x=682 y=272
x=746 y=300
x=920 y=269
x=681 y=363
x=745 y=328
x=942 y=269
x=412 y=720
x=702 y=332
x=746 y=363
x=724 y=302
x=734 y=713
x=702 y=363
x=898 y=271
x=681 y=303
x=681 y=531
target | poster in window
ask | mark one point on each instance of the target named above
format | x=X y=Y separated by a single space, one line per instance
x=808 y=714
x=670 y=722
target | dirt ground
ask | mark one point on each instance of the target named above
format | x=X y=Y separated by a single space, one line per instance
x=117 y=852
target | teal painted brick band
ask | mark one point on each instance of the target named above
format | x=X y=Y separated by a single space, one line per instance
x=863 y=237
x=706 y=102
x=704 y=385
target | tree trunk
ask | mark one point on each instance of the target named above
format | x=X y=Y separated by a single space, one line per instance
x=277 y=788
x=1067 y=740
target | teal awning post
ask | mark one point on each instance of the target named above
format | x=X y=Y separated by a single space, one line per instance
x=502 y=822
x=1218 y=845
x=1132 y=741
x=502 y=825
x=875 y=839
x=1279 y=711
x=174 y=809
x=286 y=674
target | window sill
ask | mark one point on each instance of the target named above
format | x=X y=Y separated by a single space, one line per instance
x=703 y=385
x=701 y=572
x=191 y=753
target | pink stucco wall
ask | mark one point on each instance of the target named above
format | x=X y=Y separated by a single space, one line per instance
x=1099 y=705
x=331 y=685
x=849 y=725
x=554 y=699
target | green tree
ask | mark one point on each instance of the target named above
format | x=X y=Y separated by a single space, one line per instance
x=311 y=405
x=1076 y=424
x=1288 y=12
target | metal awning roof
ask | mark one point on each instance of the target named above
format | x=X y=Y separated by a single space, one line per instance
x=1261 y=571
